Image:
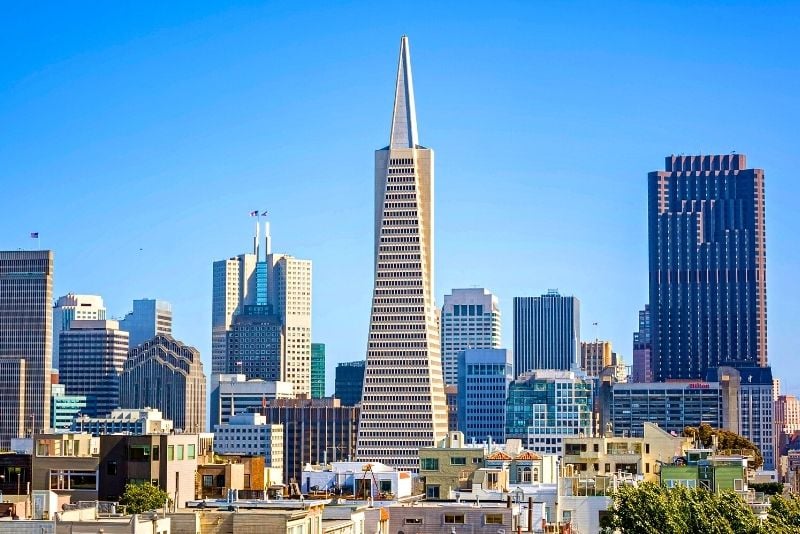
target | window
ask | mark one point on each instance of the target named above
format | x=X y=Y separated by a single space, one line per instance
x=493 y=519
x=458 y=460
x=139 y=453
x=73 y=480
x=208 y=481
x=413 y=521
x=111 y=468
x=179 y=452
x=738 y=484
x=385 y=486
x=170 y=452
x=429 y=464
x=155 y=453
x=432 y=492
x=190 y=453
x=453 y=519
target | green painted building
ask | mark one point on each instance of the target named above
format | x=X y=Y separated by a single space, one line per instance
x=317 y=370
x=701 y=468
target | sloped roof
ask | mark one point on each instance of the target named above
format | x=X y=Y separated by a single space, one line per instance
x=498 y=455
x=528 y=455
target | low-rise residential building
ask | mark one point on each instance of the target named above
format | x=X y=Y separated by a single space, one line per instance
x=606 y=455
x=67 y=465
x=248 y=475
x=124 y=421
x=701 y=468
x=449 y=466
x=278 y=516
x=168 y=461
x=426 y=517
x=360 y=479
x=249 y=433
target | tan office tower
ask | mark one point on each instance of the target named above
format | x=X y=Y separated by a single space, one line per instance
x=26 y=330
x=403 y=406
x=234 y=286
x=290 y=296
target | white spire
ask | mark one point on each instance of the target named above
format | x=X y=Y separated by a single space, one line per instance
x=404 y=116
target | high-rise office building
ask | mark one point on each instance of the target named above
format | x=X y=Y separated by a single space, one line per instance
x=264 y=284
x=165 y=374
x=233 y=394
x=289 y=283
x=547 y=332
x=93 y=353
x=642 y=349
x=483 y=379
x=254 y=345
x=403 y=406
x=316 y=431
x=595 y=356
x=149 y=318
x=708 y=274
x=70 y=307
x=26 y=332
x=545 y=406
x=64 y=408
x=12 y=399
x=234 y=286
x=349 y=384
x=470 y=320
x=317 y=370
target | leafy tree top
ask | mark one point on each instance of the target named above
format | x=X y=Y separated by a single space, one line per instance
x=726 y=440
x=143 y=497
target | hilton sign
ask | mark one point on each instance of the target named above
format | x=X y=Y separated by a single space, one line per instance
x=699 y=385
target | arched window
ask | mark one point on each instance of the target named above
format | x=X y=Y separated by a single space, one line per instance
x=524 y=474
x=535 y=474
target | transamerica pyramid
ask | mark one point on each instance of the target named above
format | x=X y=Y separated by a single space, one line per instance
x=403 y=403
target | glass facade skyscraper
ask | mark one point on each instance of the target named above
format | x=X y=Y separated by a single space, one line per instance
x=470 y=320
x=547 y=332
x=483 y=379
x=317 y=370
x=708 y=274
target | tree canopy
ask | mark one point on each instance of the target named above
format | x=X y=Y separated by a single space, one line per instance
x=726 y=440
x=143 y=497
x=652 y=508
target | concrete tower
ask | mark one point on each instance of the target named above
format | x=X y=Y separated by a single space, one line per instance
x=403 y=406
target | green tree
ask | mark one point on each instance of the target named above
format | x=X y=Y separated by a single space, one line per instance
x=784 y=515
x=726 y=440
x=143 y=497
x=651 y=508
x=768 y=488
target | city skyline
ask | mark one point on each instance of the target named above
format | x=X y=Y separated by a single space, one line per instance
x=139 y=266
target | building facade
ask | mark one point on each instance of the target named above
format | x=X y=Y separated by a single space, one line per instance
x=484 y=376
x=235 y=394
x=316 y=431
x=255 y=344
x=595 y=356
x=124 y=421
x=349 y=384
x=547 y=332
x=148 y=319
x=708 y=274
x=249 y=433
x=234 y=286
x=26 y=332
x=403 y=406
x=317 y=370
x=290 y=289
x=642 y=370
x=93 y=353
x=165 y=374
x=546 y=406
x=70 y=307
x=470 y=320
x=12 y=399
x=65 y=464
x=64 y=408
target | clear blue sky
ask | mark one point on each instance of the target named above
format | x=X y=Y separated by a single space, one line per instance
x=159 y=126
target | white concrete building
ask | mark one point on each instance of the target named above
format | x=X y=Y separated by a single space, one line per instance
x=470 y=320
x=249 y=433
x=404 y=406
x=233 y=394
x=124 y=421
x=71 y=307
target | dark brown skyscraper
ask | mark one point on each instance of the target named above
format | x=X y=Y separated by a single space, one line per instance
x=708 y=275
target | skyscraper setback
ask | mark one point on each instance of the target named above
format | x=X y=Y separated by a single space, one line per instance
x=26 y=333
x=470 y=320
x=708 y=272
x=403 y=406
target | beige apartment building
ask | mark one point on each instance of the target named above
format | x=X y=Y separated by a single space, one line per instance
x=606 y=455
